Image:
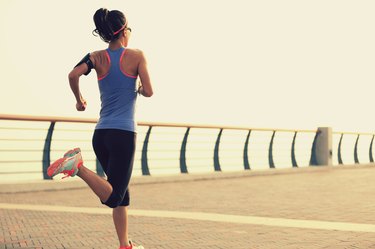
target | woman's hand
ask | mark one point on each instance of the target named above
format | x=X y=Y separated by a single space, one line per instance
x=81 y=105
x=139 y=89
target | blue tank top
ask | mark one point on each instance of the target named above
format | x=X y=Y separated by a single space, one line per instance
x=118 y=95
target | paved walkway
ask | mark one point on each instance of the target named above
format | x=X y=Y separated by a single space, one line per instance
x=320 y=207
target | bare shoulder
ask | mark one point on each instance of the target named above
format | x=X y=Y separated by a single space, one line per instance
x=97 y=53
x=135 y=53
x=97 y=56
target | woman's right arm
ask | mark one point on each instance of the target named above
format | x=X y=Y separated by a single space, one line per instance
x=146 y=88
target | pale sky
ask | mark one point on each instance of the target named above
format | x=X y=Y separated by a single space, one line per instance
x=266 y=64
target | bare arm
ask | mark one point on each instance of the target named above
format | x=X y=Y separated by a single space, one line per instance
x=145 y=88
x=74 y=85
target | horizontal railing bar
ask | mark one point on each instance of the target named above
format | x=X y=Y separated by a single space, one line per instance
x=164 y=159
x=212 y=141
x=21 y=172
x=165 y=142
x=201 y=150
x=71 y=140
x=58 y=149
x=164 y=169
x=45 y=118
x=202 y=126
x=159 y=132
x=29 y=161
x=21 y=139
x=158 y=124
x=200 y=158
x=25 y=129
x=166 y=150
x=73 y=130
x=20 y=150
x=353 y=133
x=230 y=157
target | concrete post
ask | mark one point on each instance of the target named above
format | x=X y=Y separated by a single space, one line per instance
x=323 y=149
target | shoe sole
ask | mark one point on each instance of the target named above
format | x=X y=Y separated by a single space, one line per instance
x=52 y=169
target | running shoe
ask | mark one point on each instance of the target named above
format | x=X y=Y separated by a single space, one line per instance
x=69 y=166
x=132 y=246
x=72 y=152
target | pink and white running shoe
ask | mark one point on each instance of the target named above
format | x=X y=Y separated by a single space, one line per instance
x=67 y=165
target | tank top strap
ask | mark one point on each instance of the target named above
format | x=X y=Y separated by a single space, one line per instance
x=115 y=56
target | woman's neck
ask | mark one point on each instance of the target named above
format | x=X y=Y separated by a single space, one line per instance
x=114 y=45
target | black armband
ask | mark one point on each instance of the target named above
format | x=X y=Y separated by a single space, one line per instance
x=88 y=62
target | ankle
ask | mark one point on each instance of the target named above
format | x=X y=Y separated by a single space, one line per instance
x=81 y=170
x=126 y=247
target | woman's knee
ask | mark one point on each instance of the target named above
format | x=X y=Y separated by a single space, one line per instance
x=117 y=199
x=114 y=200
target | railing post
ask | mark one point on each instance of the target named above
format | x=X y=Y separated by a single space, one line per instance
x=99 y=168
x=313 y=160
x=356 y=160
x=217 y=166
x=323 y=146
x=183 y=166
x=47 y=151
x=270 y=152
x=245 y=152
x=144 y=159
x=339 y=150
x=294 y=161
x=370 y=150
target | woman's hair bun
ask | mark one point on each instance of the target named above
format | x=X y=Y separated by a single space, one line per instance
x=107 y=22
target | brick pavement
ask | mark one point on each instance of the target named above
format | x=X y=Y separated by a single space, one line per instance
x=335 y=194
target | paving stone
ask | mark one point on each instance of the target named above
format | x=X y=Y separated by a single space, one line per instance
x=332 y=194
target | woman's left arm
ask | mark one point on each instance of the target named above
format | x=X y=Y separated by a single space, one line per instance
x=74 y=76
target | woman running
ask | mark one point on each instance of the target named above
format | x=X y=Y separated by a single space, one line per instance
x=114 y=139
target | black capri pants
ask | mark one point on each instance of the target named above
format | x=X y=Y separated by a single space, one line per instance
x=115 y=150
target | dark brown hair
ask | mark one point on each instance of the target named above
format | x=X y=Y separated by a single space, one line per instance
x=107 y=23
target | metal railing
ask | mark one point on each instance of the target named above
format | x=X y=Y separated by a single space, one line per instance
x=355 y=147
x=193 y=146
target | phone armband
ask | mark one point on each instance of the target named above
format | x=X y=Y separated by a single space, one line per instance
x=88 y=62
